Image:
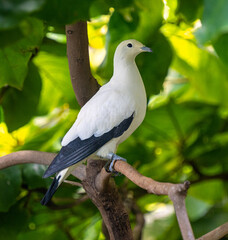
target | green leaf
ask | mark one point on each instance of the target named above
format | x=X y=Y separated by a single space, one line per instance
x=46 y=133
x=213 y=219
x=12 y=11
x=207 y=75
x=221 y=48
x=1 y=114
x=14 y=57
x=154 y=67
x=196 y=208
x=60 y=12
x=99 y=7
x=32 y=176
x=44 y=234
x=22 y=105
x=12 y=222
x=53 y=67
x=10 y=183
x=10 y=36
x=210 y=192
x=214 y=21
x=190 y=10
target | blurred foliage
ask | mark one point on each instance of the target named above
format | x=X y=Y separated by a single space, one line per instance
x=185 y=132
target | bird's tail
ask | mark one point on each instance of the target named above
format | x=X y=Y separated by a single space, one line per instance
x=60 y=177
x=50 y=192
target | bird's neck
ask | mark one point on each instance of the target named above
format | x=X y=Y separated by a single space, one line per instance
x=126 y=73
x=123 y=64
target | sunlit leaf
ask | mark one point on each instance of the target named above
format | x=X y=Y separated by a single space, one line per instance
x=205 y=72
x=53 y=67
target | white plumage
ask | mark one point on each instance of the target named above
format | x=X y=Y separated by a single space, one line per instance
x=123 y=96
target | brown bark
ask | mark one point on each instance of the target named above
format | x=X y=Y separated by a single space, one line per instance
x=108 y=202
x=84 y=84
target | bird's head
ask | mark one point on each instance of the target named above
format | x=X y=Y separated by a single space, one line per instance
x=129 y=49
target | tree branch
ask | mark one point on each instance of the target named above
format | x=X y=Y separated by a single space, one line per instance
x=217 y=233
x=84 y=84
x=105 y=193
x=176 y=192
x=29 y=156
x=108 y=201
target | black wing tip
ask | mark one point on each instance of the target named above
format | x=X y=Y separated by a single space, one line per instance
x=47 y=174
x=50 y=192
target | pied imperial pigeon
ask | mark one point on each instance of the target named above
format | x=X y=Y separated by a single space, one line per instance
x=106 y=120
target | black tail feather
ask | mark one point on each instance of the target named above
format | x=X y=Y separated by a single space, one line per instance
x=50 y=192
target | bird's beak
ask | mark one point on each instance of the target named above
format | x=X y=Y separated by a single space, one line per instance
x=146 y=49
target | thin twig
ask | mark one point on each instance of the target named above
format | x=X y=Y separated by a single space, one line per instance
x=140 y=222
x=73 y=183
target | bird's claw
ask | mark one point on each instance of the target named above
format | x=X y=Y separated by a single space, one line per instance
x=109 y=166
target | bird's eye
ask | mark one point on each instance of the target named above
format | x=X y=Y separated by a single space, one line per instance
x=129 y=45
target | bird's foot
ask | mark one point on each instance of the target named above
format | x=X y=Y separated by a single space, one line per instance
x=109 y=165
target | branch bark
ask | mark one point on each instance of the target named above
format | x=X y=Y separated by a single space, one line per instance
x=29 y=156
x=84 y=84
x=108 y=201
x=217 y=233
x=176 y=192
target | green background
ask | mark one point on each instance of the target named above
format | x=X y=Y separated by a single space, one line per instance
x=184 y=135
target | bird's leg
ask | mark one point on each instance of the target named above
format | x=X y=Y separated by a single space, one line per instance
x=112 y=157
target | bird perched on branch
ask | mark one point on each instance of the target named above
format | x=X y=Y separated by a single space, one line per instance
x=106 y=120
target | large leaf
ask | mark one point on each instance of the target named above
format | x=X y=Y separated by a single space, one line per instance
x=14 y=57
x=10 y=183
x=214 y=21
x=21 y=105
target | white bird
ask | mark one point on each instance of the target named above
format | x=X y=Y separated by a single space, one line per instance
x=106 y=120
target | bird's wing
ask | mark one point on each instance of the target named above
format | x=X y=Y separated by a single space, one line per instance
x=78 y=149
x=105 y=110
x=105 y=117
